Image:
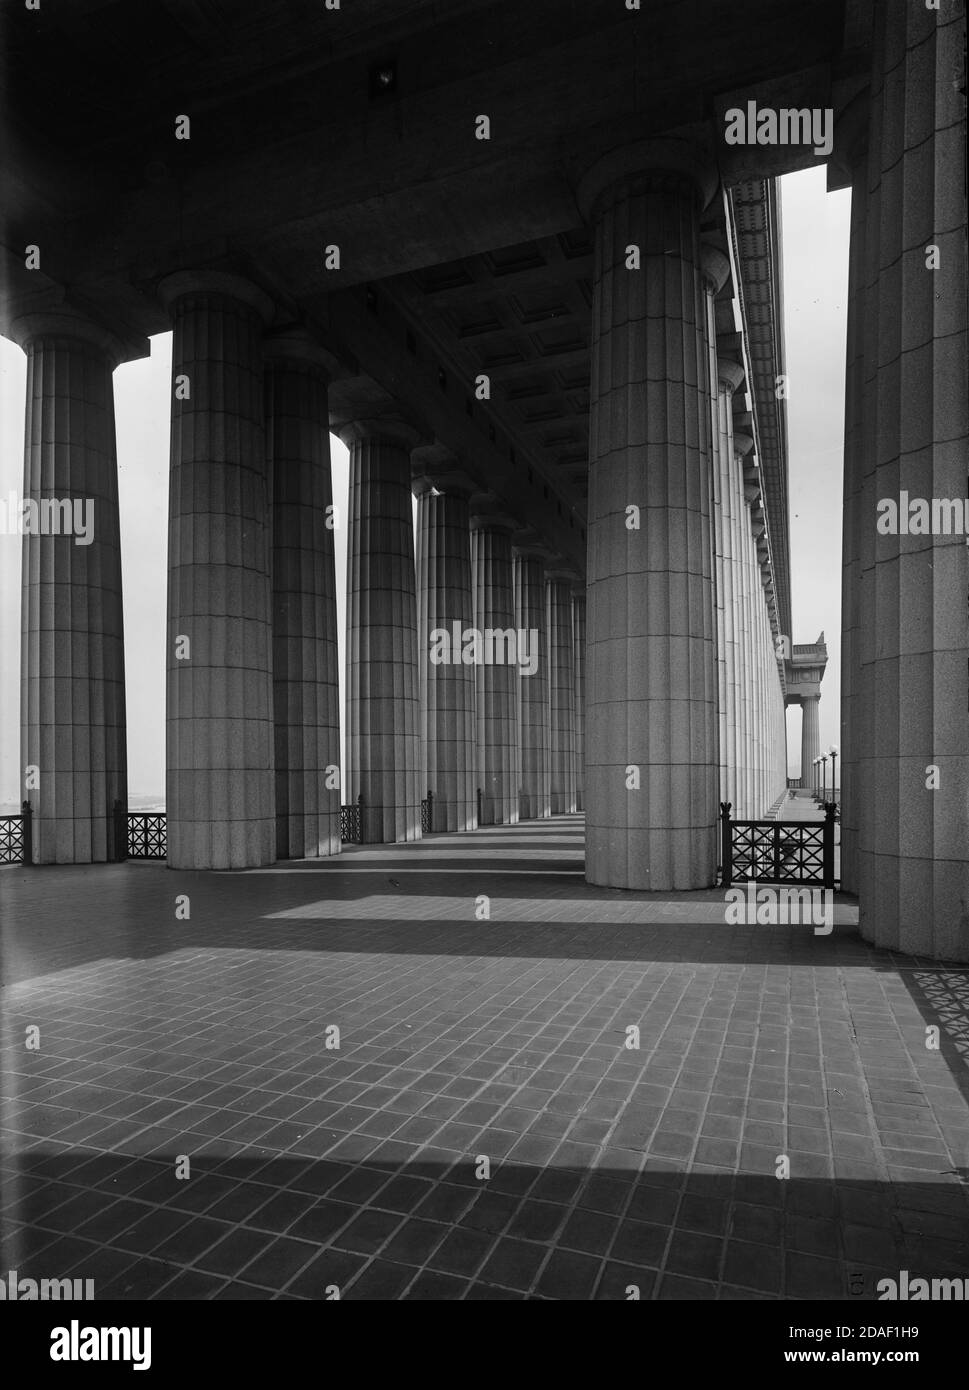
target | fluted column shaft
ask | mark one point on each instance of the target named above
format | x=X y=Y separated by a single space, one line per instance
x=729 y=376
x=651 y=755
x=763 y=690
x=913 y=648
x=854 y=523
x=383 y=714
x=561 y=696
x=444 y=599
x=72 y=706
x=496 y=682
x=715 y=270
x=533 y=689
x=750 y=715
x=810 y=736
x=306 y=697
x=738 y=515
x=220 y=793
x=578 y=656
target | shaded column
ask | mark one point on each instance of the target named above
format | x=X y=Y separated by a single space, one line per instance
x=762 y=689
x=219 y=786
x=715 y=271
x=810 y=736
x=72 y=682
x=561 y=692
x=578 y=654
x=854 y=523
x=496 y=674
x=729 y=377
x=445 y=613
x=533 y=706
x=383 y=713
x=743 y=443
x=911 y=702
x=759 y=617
x=651 y=737
x=306 y=694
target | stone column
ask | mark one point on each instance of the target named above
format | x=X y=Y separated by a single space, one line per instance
x=383 y=713
x=729 y=377
x=578 y=651
x=561 y=691
x=530 y=617
x=855 y=523
x=715 y=271
x=810 y=735
x=72 y=680
x=743 y=443
x=762 y=687
x=496 y=674
x=306 y=695
x=651 y=739
x=751 y=495
x=911 y=703
x=758 y=616
x=445 y=612
x=220 y=793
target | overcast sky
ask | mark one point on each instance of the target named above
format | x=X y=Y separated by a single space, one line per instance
x=815 y=252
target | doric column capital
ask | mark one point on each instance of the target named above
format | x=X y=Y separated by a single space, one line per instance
x=714 y=268
x=528 y=544
x=186 y=282
x=452 y=484
x=387 y=429
x=559 y=573
x=296 y=346
x=65 y=321
x=669 y=162
x=487 y=515
x=435 y=468
x=730 y=374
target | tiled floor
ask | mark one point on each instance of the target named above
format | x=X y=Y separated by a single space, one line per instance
x=483 y=1130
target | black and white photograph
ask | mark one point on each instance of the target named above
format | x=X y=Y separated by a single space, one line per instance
x=484 y=671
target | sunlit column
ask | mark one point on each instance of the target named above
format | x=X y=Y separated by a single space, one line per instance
x=651 y=706
x=219 y=791
x=72 y=683
x=306 y=693
x=383 y=719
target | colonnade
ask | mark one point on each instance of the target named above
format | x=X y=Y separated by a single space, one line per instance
x=253 y=720
x=658 y=690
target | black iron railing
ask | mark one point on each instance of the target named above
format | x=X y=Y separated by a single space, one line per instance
x=427 y=814
x=778 y=851
x=351 y=822
x=16 y=837
x=147 y=835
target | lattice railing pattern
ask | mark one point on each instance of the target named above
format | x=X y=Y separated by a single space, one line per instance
x=147 y=835
x=778 y=850
x=350 y=822
x=11 y=839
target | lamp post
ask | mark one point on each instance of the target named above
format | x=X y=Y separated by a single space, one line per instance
x=833 y=750
x=824 y=778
